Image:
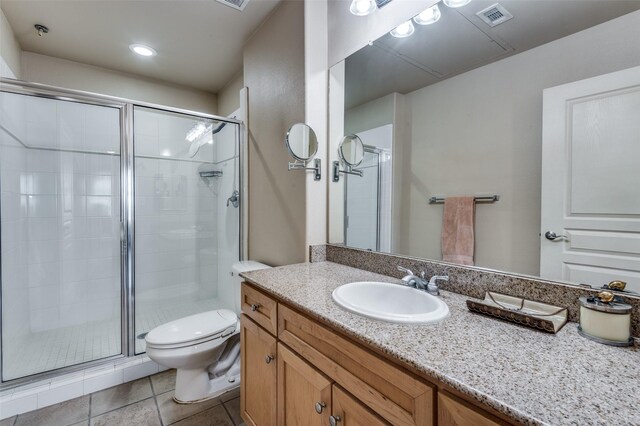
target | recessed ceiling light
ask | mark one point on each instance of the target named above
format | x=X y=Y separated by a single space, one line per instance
x=403 y=30
x=362 y=7
x=429 y=16
x=142 y=50
x=456 y=3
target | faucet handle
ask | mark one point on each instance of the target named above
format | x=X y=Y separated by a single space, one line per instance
x=405 y=270
x=438 y=278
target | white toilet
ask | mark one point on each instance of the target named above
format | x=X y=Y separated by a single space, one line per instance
x=203 y=348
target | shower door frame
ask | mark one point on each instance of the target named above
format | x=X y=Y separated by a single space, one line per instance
x=127 y=206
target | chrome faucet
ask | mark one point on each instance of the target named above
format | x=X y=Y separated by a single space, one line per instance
x=412 y=280
x=432 y=286
x=420 y=282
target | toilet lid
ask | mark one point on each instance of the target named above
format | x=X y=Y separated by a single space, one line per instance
x=194 y=327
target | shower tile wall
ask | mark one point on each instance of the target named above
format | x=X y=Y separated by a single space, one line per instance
x=176 y=222
x=60 y=234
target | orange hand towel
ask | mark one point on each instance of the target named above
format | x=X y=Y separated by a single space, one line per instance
x=458 y=230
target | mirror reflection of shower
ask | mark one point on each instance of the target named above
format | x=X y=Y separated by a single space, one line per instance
x=367 y=193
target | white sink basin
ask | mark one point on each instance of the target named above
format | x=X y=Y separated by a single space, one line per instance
x=391 y=302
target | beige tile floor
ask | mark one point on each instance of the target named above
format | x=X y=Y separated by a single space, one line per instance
x=144 y=402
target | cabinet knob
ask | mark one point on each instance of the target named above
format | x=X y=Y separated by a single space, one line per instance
x=255 y=307
x=333 y=420
x=268 y=359
x=320 y=406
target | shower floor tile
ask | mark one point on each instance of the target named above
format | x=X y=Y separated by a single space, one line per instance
x=63 y=347
x=58 y=348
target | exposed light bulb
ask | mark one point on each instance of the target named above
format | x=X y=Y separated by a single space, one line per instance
x=197 y=131
x=456 y=3
x=429 y=16
x=362 y=7
x=403 y=30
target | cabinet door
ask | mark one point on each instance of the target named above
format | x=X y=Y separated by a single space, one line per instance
x=455 y=412
x=259 y=373
x=304 y=394
x=348 y=411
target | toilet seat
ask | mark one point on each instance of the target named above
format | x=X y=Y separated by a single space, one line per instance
x=193 y=330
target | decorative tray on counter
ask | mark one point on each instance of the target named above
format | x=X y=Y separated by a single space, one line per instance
x=538 y=315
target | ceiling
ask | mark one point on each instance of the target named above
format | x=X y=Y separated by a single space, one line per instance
x=461 y=41
x=199 y=43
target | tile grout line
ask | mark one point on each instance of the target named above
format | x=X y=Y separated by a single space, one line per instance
x=123 y=406
x=155 y=400
x=90 y=404
x=224 y=406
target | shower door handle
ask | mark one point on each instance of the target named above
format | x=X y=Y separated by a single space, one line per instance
x=123 y=239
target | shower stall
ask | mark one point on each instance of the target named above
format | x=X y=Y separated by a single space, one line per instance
x=115 y=217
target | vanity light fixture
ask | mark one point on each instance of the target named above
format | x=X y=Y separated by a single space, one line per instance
x=428 y=16
x=403 y=30
x=456 y=3
x=362 y=7
x=142 y=50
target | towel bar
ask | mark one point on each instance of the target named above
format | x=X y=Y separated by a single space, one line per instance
x=478 y=199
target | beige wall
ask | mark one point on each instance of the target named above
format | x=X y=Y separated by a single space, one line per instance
x=229 y=96
x=316 y=79
x=274 y=75
x=9 y=50
x=481 y=132
x=74 y=75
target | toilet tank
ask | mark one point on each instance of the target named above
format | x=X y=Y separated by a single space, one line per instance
x=237 y=268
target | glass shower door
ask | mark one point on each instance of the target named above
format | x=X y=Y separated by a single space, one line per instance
x=186 y=233
x=362 y=204
x=60 y=230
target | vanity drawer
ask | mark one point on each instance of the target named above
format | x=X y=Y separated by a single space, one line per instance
x=260 y=308
x=395 y=395
x=453 y=411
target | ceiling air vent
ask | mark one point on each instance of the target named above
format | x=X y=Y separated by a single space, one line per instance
x=236 y=4
x=494 y=15
x=381 y=3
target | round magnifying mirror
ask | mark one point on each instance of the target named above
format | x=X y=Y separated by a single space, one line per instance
x=351 y=150
x=301 y=142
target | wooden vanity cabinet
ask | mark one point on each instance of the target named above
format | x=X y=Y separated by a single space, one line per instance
x=304 y=393
x=258 y=371
x=299 y=372
x=453 y=411
x=348 y=411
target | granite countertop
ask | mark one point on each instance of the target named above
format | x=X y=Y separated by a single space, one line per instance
x=530 y=376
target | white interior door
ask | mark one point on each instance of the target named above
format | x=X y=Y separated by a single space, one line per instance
x=591 y=180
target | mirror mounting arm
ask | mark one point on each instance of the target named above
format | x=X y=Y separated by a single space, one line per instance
x=348 y=171
x=317 y=167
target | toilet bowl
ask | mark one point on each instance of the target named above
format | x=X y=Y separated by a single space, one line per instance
x=203 y=348
x=191 y=345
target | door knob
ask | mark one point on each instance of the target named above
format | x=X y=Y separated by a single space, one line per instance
x=552 y=236
x=333 y=420
x=268 y=359
x=320 y=407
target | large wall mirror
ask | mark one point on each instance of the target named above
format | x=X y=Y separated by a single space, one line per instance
x=537 y=118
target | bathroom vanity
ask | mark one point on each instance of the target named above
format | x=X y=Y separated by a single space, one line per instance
x=307 y=361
